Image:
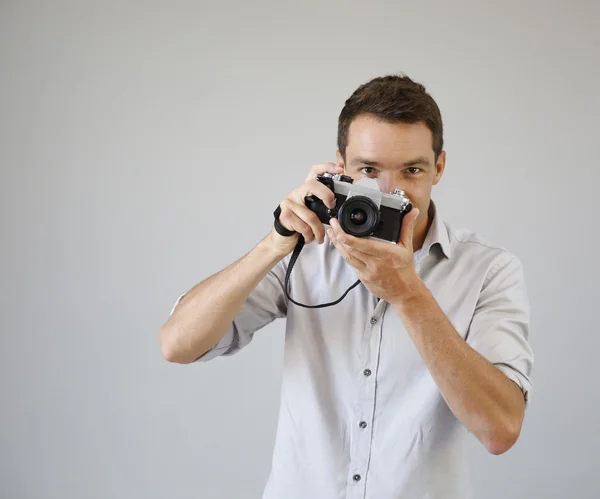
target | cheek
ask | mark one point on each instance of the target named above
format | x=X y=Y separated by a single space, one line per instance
x=351 y=172
x=418 y=197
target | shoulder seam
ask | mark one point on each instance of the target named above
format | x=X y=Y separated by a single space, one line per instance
x=480 y=243
x=497 y=267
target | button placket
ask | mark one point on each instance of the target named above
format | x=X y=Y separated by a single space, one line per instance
x=362 y=438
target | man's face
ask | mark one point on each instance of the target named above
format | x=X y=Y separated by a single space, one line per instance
x=398 y=156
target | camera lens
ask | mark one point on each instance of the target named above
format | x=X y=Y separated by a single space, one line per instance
x=359 y=216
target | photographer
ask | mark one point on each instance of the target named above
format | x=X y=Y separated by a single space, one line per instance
x=379 y=390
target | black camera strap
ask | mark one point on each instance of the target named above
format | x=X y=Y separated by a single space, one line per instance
x=299 y=245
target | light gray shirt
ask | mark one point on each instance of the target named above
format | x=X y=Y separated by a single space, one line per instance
x=360 y=414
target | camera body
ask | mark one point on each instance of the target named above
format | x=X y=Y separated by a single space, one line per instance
x=362 y=211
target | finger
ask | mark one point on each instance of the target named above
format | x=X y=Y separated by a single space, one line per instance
x=354 y=252
x=291 y=221
x=408 y=228
x=348 y=254
x=316 y=188
x=368 y=247
x=309 y=218
x=358 y=255
x=321 y=168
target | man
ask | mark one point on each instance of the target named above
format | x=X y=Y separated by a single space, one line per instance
x=380 y=390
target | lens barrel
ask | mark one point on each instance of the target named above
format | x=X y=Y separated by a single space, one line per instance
x=359 y=216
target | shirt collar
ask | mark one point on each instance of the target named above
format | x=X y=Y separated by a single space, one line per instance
x=437 y=234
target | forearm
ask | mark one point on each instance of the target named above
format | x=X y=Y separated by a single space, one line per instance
x=204 y=314
x=488 y=403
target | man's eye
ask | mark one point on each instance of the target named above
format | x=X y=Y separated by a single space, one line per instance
x=367 y=170
x=413 y=170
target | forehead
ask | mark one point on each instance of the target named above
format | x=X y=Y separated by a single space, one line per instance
x=368 y=136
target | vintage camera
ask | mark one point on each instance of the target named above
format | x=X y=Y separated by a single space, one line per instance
x=361 y=210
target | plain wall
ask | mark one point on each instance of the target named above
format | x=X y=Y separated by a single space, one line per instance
x=144 y=146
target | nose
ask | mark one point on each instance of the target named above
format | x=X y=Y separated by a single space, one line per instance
x=386 y=183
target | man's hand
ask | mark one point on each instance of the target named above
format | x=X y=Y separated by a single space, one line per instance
x=486 y=401
x=296 y=216
x=386 y=269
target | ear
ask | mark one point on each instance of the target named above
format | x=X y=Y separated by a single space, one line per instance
x=440 y=166
x=340 y=160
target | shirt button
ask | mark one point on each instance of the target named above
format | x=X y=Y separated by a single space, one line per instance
x=367 y=372
x=373 y=320
x=356 y=478
x=362 y=424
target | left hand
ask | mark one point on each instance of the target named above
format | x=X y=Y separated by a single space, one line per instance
x=387 y=270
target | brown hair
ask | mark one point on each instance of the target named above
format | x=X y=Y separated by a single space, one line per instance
x=393 y=99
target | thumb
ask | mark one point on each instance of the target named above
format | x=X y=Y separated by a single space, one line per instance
x=408 y=226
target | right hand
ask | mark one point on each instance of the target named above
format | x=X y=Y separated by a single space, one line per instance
x=296 y=216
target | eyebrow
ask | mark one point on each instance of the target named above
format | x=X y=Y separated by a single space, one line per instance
x=420 y=160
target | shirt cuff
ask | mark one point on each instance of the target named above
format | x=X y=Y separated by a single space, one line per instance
x=521 y=380
x=220 y=348
x=177 y=303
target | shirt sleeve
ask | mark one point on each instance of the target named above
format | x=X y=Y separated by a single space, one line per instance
x=265 y=303
x=499 y=329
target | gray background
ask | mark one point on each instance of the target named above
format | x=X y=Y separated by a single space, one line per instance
x=143 y=146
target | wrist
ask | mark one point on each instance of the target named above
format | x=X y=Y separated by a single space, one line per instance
x=277 y=246
x=414 y=291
